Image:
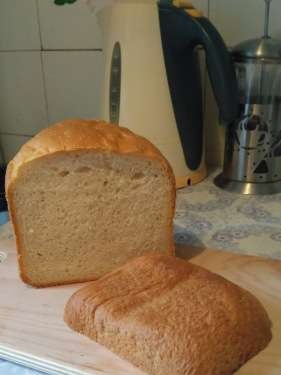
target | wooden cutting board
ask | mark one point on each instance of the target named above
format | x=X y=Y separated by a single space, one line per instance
x=33 y=333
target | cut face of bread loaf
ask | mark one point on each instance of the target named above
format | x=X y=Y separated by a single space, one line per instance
x=84 y=197
x=169 y=317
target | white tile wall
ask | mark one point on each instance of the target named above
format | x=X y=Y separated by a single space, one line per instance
x=69 y=26
x=11 y=144
x=19 y=28
x=275 y=19
x=73 y=81
x=22 y=102
x=243 y=19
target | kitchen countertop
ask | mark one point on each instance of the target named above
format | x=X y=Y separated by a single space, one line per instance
x=209 y=217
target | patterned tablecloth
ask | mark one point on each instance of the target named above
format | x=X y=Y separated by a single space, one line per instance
x=209 y=217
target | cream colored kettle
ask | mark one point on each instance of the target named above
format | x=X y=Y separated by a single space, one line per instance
x=140 y=89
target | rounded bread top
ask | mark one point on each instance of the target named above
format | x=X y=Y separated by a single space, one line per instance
x=78 y=134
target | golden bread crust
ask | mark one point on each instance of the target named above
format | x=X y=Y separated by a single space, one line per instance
x=168 y=316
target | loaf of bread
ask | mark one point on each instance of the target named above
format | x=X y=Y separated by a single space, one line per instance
x=169 y=317
x=84 y=197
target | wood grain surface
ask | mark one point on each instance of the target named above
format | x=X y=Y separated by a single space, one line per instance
x=32 y=331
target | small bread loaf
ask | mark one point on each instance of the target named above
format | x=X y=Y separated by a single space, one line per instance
x=170 y=317
x=84 y=197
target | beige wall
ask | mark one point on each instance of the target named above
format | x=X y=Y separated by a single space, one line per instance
x=51 y=63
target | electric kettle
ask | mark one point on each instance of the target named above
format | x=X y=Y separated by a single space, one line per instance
x=152 y=82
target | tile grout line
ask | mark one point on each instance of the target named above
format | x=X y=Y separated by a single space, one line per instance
x=72 y=50
x=52 y=50
x=42 y=66
x=38 y=23
x=45 y=89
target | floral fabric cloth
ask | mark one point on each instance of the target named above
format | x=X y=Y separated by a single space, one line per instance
x=207 y=216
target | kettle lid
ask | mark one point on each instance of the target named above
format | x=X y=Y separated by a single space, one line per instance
x=262 y=48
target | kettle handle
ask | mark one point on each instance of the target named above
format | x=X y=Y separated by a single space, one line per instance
x=181 y=33
x=220 y=68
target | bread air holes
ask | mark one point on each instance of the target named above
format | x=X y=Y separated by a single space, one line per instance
x=134 y=187
x=137 y=176
x=83 y=170
x=42 y=196
x=63 y=173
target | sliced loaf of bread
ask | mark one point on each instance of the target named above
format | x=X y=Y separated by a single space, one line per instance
x=84 y=197
x=170 y=317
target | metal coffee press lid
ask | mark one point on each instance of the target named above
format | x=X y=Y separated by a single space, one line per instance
x=264 y=48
